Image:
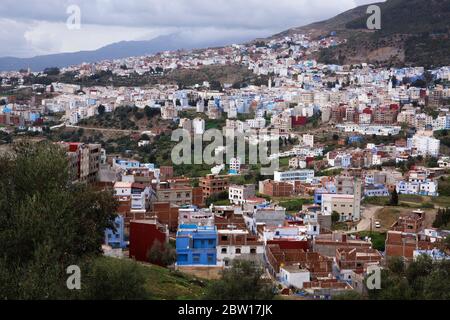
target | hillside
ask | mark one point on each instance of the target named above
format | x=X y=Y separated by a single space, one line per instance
x=164 y=284
x=413 y=32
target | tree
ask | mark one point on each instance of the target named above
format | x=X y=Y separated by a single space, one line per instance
x=335 y=217
x=101 y=109
x=162 y=255
x=217 y=197
x=394 y=198
x=155 y=253
x=110 y=279
x=422 y=279
x=351 y=295
x=241 y=282
x=447 y=243
x=52 y=71
x=47 y=223
x=442 y=218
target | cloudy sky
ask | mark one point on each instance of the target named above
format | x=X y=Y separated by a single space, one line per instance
x=29 y=27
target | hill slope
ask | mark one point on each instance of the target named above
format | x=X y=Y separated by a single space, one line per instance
x=413 y=32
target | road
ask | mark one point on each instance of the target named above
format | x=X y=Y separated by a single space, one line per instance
x=368 y=217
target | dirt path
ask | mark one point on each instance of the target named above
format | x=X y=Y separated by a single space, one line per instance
x=368 y=216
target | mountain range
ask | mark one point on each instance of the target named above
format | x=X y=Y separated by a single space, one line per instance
x=123 y=49
x=413 y=32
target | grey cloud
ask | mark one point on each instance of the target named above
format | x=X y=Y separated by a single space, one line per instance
x=252 y=18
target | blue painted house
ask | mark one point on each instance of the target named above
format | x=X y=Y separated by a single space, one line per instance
x=116 y=239
x=196 y=245
x=318 y=193
x=355 y=139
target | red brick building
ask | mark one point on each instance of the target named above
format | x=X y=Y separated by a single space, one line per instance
x=316 y=264
x=166 y=214
x=356 y=258
x=326 y=244
x=143 y=234
x=212 y=185
x=276 y=189
x=166 y=173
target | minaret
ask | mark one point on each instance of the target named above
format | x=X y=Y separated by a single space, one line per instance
x=357 y=200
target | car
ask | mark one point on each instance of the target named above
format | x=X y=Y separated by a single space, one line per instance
x=377 y=224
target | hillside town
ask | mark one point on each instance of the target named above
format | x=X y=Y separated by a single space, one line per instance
x=363 y=172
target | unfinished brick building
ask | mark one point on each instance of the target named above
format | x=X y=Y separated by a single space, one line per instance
x=316 y=264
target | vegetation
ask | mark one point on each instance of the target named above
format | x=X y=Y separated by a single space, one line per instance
x=123 y=118
x=163 y=255
x=444 y=186
x=241 y=282
x=393 y=201
x=295 y=204
x=378 y=239
x=335 y=217
x=218 y=199
x=115 y=279
x=408 y=201
x=46 y=223
x=442 y=219
x=422 y=32
x=422 y=279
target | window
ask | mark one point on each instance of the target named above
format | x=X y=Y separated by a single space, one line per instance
x=238 y=250
x=253 y=250
x=196 y=258
x=224 y=250
x=224 y=238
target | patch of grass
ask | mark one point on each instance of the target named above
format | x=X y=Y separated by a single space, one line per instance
x=442 y=201
x=165 y=284
x=295 y=204
x=378 y=239
x=377 y=201
x=339 y=226
x=387 y=216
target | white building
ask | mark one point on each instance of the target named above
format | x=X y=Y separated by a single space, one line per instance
x=235 y=165
x=198 y=126
x=298 y=175
x=258 y=123
x=308 y=140
x=239 y=194
x=294 y=276
x=425 y=145
x=238 y=244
